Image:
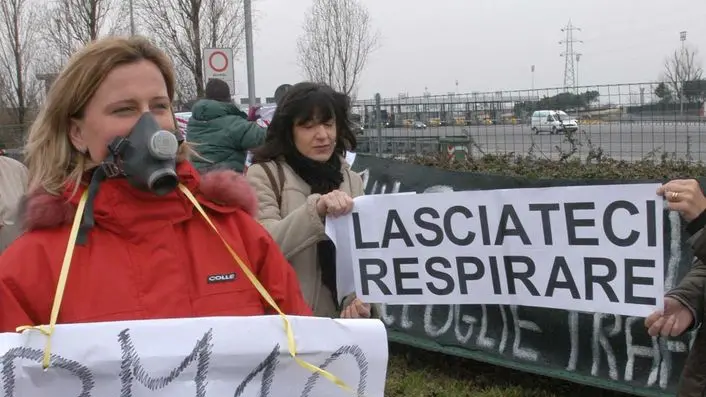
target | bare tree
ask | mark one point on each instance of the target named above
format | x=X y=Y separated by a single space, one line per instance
x=17 y=47
x=338 y=38
x=71 y=24
x=185 y=86
x=185 y=27
x=681 y=67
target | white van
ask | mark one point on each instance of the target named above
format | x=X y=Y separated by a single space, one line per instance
x=554 y=121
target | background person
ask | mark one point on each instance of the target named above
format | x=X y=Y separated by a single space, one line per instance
x=263 y=114
x=684 y=305
x=147 y=256
x=300 y=177
x=13 y=185
x=221 y=131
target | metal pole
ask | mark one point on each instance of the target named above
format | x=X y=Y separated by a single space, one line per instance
x=576 y=83
x=132 y=18
x=378 y=123
x=576 y=77
x=680 y=67
x=250 y=60
x=69 y=43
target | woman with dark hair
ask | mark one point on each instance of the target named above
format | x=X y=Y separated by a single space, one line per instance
x=300 y=176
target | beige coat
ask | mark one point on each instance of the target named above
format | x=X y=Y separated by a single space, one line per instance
x=13 y=185
x=297 y=227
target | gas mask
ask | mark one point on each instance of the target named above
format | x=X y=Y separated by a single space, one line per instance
x=146 y=158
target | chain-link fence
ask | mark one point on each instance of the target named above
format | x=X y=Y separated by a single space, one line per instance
x=624 y=122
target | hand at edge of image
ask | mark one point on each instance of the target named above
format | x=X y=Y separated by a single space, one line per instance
x=356 y=309
x=672 y=321
x=684 y=196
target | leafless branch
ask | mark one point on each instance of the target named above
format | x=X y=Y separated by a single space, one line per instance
x=338 y=38
x=18 y=42
x=680 y=67
x=71 y=24
x=185 y=27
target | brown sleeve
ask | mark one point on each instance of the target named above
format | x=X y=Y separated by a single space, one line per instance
x=294 y=232
x=356 y=184
x=690 y=291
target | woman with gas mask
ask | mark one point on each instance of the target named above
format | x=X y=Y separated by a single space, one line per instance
x=301 y=176
x=118 y=221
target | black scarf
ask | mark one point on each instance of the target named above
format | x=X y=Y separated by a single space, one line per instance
x=322 y=178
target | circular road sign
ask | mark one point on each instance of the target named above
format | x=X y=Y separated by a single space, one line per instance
x=218 y=61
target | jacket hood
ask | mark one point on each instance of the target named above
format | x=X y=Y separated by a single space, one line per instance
x=208 y=109
x=120 y=206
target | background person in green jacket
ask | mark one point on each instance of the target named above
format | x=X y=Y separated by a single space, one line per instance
x=221 y=131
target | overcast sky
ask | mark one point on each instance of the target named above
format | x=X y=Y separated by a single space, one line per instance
x=487 y=45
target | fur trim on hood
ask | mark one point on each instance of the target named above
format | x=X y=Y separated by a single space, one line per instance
x=226 y=188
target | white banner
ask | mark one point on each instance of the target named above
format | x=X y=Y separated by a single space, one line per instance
x=345 y=278
x=204 y=357
x=583 y=248
x=265 y=113
x=182 y=119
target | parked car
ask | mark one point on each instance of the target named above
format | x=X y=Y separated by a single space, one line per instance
x=554 y=121
x=418 y=125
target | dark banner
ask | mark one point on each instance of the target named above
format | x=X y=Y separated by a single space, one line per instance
x=604 y=350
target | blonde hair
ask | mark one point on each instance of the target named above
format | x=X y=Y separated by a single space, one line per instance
x=52 y=160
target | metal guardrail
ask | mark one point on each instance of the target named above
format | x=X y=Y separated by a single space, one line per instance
x=399 y=145
x=12 y=136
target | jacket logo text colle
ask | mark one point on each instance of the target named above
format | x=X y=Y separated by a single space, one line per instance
x=221 y=278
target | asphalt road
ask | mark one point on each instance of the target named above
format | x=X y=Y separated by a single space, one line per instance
x=626 y=141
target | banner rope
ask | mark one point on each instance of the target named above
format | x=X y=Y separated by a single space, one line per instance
x=48 y=331
x=291 y=344
x=61 y=285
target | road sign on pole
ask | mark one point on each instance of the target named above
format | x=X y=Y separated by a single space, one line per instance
x=218 y=64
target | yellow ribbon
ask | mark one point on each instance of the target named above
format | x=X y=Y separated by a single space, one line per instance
x=61 y=285
x=66 y=264
x=291 y=344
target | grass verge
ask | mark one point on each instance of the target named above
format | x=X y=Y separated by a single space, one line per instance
x=418 y=373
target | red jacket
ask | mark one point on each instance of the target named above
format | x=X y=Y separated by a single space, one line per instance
x=147 y=257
